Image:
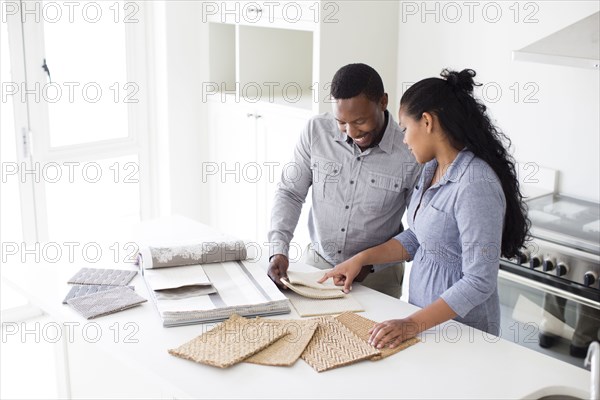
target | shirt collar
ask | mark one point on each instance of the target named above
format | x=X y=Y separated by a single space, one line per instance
x=454 y=172
x=458 y=167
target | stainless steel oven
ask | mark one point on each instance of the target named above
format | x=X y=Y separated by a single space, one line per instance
x=550 y=294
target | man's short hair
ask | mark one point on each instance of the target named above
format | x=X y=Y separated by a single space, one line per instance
x=355 y=79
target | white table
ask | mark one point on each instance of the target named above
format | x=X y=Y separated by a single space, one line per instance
x=452 y=361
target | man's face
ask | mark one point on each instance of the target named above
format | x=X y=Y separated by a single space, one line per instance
x=360 y=118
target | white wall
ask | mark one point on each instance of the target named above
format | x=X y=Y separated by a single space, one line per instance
x=180 y=66
x=562 y=129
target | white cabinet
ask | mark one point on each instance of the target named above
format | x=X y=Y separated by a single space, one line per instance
x=270 y=70
x=250 y=145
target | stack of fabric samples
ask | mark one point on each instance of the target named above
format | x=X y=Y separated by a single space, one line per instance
x=97 y=292
x=208 y=281
x=311 y=298
x=324 y=343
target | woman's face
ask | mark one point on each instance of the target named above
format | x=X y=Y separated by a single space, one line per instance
x=416 y=136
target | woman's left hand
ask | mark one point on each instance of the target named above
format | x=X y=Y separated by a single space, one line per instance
x=392 y=332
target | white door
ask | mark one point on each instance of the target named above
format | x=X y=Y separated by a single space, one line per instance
x=79 y=90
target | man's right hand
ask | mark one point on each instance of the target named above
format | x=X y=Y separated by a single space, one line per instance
x=278 y=269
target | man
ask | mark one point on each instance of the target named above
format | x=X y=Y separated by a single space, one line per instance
x=362 y=176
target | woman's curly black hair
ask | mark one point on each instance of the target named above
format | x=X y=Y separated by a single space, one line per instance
x=466 y=123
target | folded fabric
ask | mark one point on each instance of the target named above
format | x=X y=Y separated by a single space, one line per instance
x=202 y=253
x=310 y=279
x=307 y=307
x=184 y=292
x=333 y=345
x=287 y=350
x=83 y=290
x=361 y=326
x=314 y=293
x=229 y=342
x=105 y=302
x=99 y=276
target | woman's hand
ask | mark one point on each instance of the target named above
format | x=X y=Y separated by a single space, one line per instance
x=344 y=274
x=393 y=332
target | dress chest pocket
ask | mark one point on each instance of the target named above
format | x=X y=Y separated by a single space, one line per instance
x=438 y=235
x=383 y=191
x=326 y=176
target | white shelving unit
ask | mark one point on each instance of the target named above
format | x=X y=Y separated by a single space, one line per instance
x=269 y=72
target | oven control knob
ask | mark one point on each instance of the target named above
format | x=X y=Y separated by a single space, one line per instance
x=535 y=262
x=562 y=269
x=522 y=257
x=590 y=278
x=549 y=264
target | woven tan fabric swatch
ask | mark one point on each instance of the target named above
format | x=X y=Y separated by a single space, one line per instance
x=333 y=345
x=229 y=342
x=361 y=325
x=288 y=349
x=310 y=279
x=306 y=307
x=313 y=293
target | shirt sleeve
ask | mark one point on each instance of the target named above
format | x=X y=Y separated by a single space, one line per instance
x=479 y=211
x=290 y=195
x=408 y=239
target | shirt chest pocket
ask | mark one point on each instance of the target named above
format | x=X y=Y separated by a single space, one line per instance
x=438 y=234
x=326 y=178
x=383 y=192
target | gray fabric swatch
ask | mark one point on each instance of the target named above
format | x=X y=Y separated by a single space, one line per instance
x=184 y=292
x=83 y=290
x=98 y=276
x=105 y=302
x=207 y=252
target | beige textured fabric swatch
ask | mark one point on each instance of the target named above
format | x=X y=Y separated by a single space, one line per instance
x=306 y=307
x=333 y=345
x=361 y=325
x=313 y=293
x=310 y=279
x=229 y=342
x=287 y=350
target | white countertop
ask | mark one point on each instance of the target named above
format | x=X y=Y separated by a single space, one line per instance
x=452 y=361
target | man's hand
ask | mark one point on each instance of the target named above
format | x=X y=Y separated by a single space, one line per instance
x=278 y=269
x=344 y=274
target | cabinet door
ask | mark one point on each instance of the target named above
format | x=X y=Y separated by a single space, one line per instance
x=231 y=172
x=278 y=131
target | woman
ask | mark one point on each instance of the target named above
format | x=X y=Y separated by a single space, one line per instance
x=465 y=212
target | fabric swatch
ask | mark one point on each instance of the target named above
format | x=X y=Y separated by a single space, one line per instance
x=306 y=307
x=105 y=302
x=229 y=342
x=310 y=279
x=289 y=348
x=184 y=292
x=313 y=293
x=201 y=253
x=361 y=325
x=333 y=345
x=83 y=290
x=98 y=276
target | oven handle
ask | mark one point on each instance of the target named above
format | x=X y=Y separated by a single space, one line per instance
x=548 y=289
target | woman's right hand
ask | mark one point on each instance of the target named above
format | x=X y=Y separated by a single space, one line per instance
x=344 y=274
